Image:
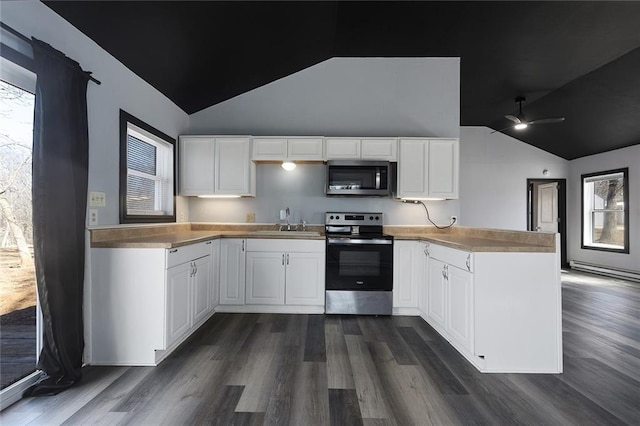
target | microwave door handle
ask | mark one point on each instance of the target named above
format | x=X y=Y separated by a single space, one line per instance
x=377 y=177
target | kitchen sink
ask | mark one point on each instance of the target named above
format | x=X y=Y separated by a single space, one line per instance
x=283 y=233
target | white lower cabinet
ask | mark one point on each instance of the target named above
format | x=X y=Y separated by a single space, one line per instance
x=285 y=272
x=265 y=278
x=146 y=301
x=232 y=271
x=408 y=276
x=450 y=299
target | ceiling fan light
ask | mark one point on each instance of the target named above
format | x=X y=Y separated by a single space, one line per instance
x=288 y=165
x=520 y=126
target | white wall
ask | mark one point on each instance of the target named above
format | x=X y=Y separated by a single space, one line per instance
x=120 y=89
x=493 y=177
x=620 y=158
x=347 y=97
x=338 y=97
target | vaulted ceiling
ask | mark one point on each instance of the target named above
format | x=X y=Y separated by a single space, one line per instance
x=576 y=59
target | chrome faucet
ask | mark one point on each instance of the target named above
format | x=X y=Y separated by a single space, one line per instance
x=288 y=219
x=302 y=223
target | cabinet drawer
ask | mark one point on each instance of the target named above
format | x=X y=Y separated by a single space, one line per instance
x=178 y=255
x=280 y=245
x=458 y=258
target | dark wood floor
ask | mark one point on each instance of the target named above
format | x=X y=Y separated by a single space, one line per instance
x=315 y=369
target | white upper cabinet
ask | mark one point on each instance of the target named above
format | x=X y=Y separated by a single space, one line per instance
x=233 y=169
x=284 y=148
x=428 y=168
x=211 y=165
x=196 y=165
x=342 y=148
x=382 y=149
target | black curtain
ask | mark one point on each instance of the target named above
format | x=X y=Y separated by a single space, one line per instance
x=60 y=162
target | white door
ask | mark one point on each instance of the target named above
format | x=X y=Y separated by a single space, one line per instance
x=196 y=165
x=201 y=288
x=305 y=149
x=443 y=168
x=437 y=293
x=407 y=271
x=412 y=168
x=232 y=166
x=214 y=291
x=265 y=278
x=178 y=301
x=460 y=306
x=305 y=279
x=232 y=273
x=338 y=148
x=547 y=207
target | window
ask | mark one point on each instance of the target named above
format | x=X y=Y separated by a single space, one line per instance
x=146 y=173
x=605 y=211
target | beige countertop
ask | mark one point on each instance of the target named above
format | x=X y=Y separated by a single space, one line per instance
x=458 y=237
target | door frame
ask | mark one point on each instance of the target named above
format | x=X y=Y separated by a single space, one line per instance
x=562 y=213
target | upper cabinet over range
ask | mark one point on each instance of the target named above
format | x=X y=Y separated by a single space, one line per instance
x=380 y=149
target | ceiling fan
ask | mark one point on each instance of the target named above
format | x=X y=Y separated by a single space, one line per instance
x=520 y=122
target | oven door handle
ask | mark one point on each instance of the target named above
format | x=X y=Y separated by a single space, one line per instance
x=353 y=242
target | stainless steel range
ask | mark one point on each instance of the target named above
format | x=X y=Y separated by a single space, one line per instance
x=359 y=267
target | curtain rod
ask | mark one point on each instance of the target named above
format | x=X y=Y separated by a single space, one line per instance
x=24 y=38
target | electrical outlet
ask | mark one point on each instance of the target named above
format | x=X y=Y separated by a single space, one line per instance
x=454 y=219
x=93 y=216
x=251 y=218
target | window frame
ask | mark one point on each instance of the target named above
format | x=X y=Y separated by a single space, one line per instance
x=625 y=198
x=127 y=119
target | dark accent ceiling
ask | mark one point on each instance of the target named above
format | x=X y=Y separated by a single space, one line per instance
x=577 y=59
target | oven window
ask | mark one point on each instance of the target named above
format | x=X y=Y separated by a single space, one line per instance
x=359 y=264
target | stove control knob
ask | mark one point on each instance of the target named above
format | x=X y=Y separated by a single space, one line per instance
x=331 y=217
x=377 y=217
x=370 y=217
x=338 y=217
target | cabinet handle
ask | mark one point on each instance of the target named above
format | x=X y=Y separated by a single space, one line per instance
x=287 y=258
x=242 y=245
x=208 y=242
x=469 y=262
x=282 y=259
x=191 y=271
x=173 y=251
x=195 y=266
x=426 y=251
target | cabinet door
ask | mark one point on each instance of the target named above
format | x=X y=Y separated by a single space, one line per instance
x=423 y=289
x=305 y=278
x=379 y=149
x=460 y=306
x=412 y=168
x=274 y=149
x=342 y=148
x=305 y=149
x=214 y=291
x=201 y=288
x=265 y=278
x=407 y=271
x=196 y=165
x=232 y=166
x=443 y=168
x=232 y=271
x=437 y=293
x=178 y=301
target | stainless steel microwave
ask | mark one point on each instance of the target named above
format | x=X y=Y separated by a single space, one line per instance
x=358 y=178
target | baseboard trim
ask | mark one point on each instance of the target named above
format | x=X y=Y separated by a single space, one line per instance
x=605 y=270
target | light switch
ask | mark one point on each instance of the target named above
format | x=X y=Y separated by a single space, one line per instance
x=96 y=199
